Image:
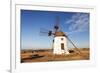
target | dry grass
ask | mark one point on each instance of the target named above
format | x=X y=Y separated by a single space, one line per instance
x=47 y=55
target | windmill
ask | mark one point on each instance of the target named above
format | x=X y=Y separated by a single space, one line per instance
x=60 y=39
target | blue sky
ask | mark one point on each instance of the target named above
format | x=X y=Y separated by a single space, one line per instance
x=75 y=24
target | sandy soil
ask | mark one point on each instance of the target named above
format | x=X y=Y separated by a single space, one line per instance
x=47 y=55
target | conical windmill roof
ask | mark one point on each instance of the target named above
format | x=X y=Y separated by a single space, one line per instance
x=59 y=33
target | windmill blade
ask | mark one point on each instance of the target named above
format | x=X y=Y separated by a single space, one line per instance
x=43 y=33
x=57 y=21
x=56 y=26
x=44 y=30
x=73 y=45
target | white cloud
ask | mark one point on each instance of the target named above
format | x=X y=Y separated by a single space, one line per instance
x=79 y=22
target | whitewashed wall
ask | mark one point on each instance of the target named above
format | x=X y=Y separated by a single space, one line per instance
x=57 y=45
x=5 y=37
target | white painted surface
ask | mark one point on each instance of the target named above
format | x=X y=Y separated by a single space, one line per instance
x=57 y=45
x=51 y=65
x=4 y=63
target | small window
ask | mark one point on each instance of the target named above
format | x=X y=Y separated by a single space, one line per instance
x=62 y=38
x=53 y=40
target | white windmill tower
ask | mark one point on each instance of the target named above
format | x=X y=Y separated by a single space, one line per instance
x=60 y=45
x=60 y=40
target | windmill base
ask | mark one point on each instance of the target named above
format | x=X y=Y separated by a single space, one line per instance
x=61 y=52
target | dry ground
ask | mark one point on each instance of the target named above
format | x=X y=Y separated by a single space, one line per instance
x=47 y=55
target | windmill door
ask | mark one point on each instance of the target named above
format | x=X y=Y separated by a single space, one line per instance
x=62 y=46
